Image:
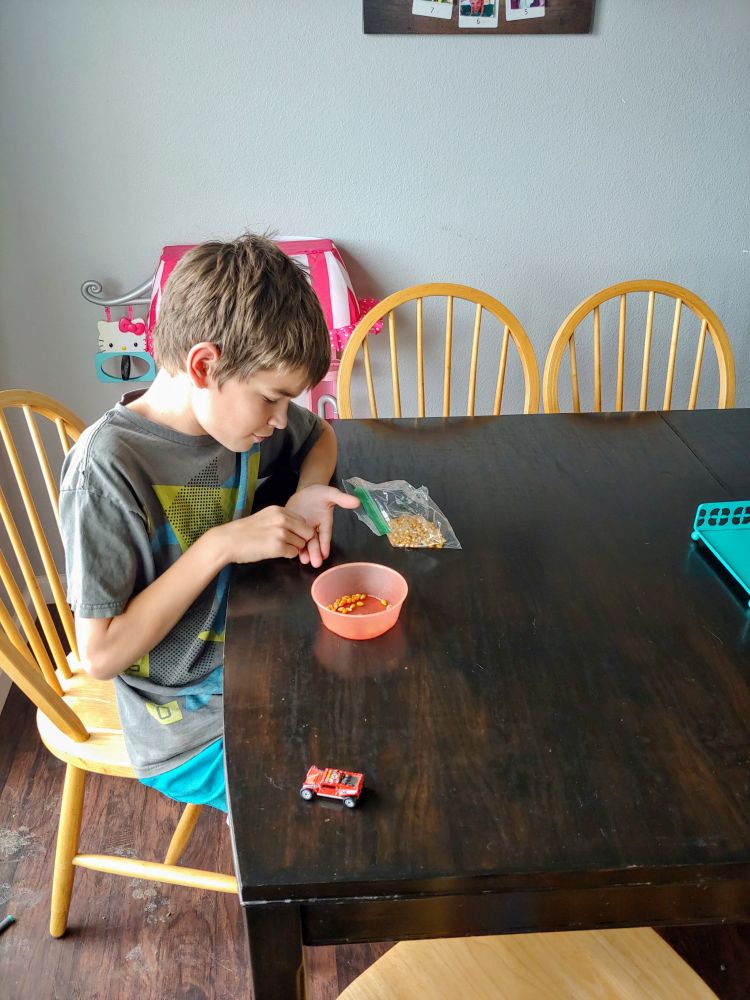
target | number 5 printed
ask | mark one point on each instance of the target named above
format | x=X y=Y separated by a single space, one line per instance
x=518 y=10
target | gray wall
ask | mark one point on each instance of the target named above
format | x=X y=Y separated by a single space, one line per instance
x=539 y=169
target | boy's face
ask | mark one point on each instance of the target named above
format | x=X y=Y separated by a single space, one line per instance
x=243 y=412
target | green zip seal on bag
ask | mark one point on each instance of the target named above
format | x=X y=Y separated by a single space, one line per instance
x=375 y=520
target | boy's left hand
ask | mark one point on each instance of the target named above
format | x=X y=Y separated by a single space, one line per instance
x=315 y=504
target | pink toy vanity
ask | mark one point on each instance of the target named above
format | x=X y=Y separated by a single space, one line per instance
x=342 y=309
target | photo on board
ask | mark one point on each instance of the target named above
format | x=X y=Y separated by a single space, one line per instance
x=477 y=14
x=517 y=10
x=433 y=8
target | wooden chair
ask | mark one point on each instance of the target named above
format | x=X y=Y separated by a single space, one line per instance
x=512 y=330
x=565 y=339
x=631 y=964
x=77 y=716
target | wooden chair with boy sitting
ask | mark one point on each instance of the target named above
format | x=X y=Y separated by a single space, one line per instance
x=77 y=716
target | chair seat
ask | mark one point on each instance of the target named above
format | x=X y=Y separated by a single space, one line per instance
x=94 y=703
x=630 y=964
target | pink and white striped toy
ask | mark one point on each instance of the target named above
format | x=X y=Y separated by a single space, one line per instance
x=323 y=264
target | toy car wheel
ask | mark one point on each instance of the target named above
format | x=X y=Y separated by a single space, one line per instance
x=349 y=802
x=307 y=794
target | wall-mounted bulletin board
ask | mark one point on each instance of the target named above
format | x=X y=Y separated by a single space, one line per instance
x=479 y=17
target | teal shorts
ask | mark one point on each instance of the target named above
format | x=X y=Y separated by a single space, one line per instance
x=199 y=780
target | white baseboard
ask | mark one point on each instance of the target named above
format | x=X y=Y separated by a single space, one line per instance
x=5 y=681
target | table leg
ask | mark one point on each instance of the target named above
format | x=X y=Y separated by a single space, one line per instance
x=276 y=958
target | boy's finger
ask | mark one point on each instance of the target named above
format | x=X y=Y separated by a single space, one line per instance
x=334 y=496
x=346 y=500
x=300 y=527
x=325 y=529
x=313 y=550
x=292 y=538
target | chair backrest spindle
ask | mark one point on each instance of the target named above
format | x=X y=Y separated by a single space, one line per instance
x=565 y=341
x=41 y=634
x=621 y=352
x=497 y=406
x=18 y=664
x=62 y=433
x=647 y=350
x=668 y=385
x=574 y=376
x=483 y=303
x=394 y=363
x=45 y=553
x=448 y=355
x=370 y=381
x=33 y=636
x=420 y=355
x=474 y=360
x=42 y=458
x=597 y=363
x=698 y=366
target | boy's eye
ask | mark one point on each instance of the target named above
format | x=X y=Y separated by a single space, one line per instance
x=271 y=401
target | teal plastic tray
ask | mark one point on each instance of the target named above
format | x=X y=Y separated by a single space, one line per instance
x=724 y=528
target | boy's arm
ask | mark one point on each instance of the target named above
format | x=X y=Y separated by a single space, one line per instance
x=108 y=646
x=320 y=462
x=315 y=500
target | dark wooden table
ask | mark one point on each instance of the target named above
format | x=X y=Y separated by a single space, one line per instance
x=555 y=735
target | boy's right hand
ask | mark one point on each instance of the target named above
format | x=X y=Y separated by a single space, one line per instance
x=272 y=533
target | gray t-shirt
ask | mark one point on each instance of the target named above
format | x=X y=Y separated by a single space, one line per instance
x=134 y=496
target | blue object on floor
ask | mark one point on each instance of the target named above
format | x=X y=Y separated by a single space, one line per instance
x=724 y=528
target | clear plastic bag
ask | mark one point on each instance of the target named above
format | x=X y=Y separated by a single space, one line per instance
x=405 y=513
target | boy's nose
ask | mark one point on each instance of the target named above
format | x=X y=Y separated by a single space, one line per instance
x=278 y=418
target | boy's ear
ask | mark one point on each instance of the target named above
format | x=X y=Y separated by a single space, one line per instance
x=200 y=362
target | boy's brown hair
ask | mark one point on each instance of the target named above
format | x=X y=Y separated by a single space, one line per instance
x=251 y=300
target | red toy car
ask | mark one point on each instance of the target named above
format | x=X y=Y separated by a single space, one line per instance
x=333 y=783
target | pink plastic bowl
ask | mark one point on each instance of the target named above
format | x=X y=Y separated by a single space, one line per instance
x=360 y=578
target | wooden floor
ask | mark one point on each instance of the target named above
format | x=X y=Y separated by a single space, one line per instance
x=132 y=939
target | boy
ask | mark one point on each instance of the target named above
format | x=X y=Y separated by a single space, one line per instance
x=156 y=495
